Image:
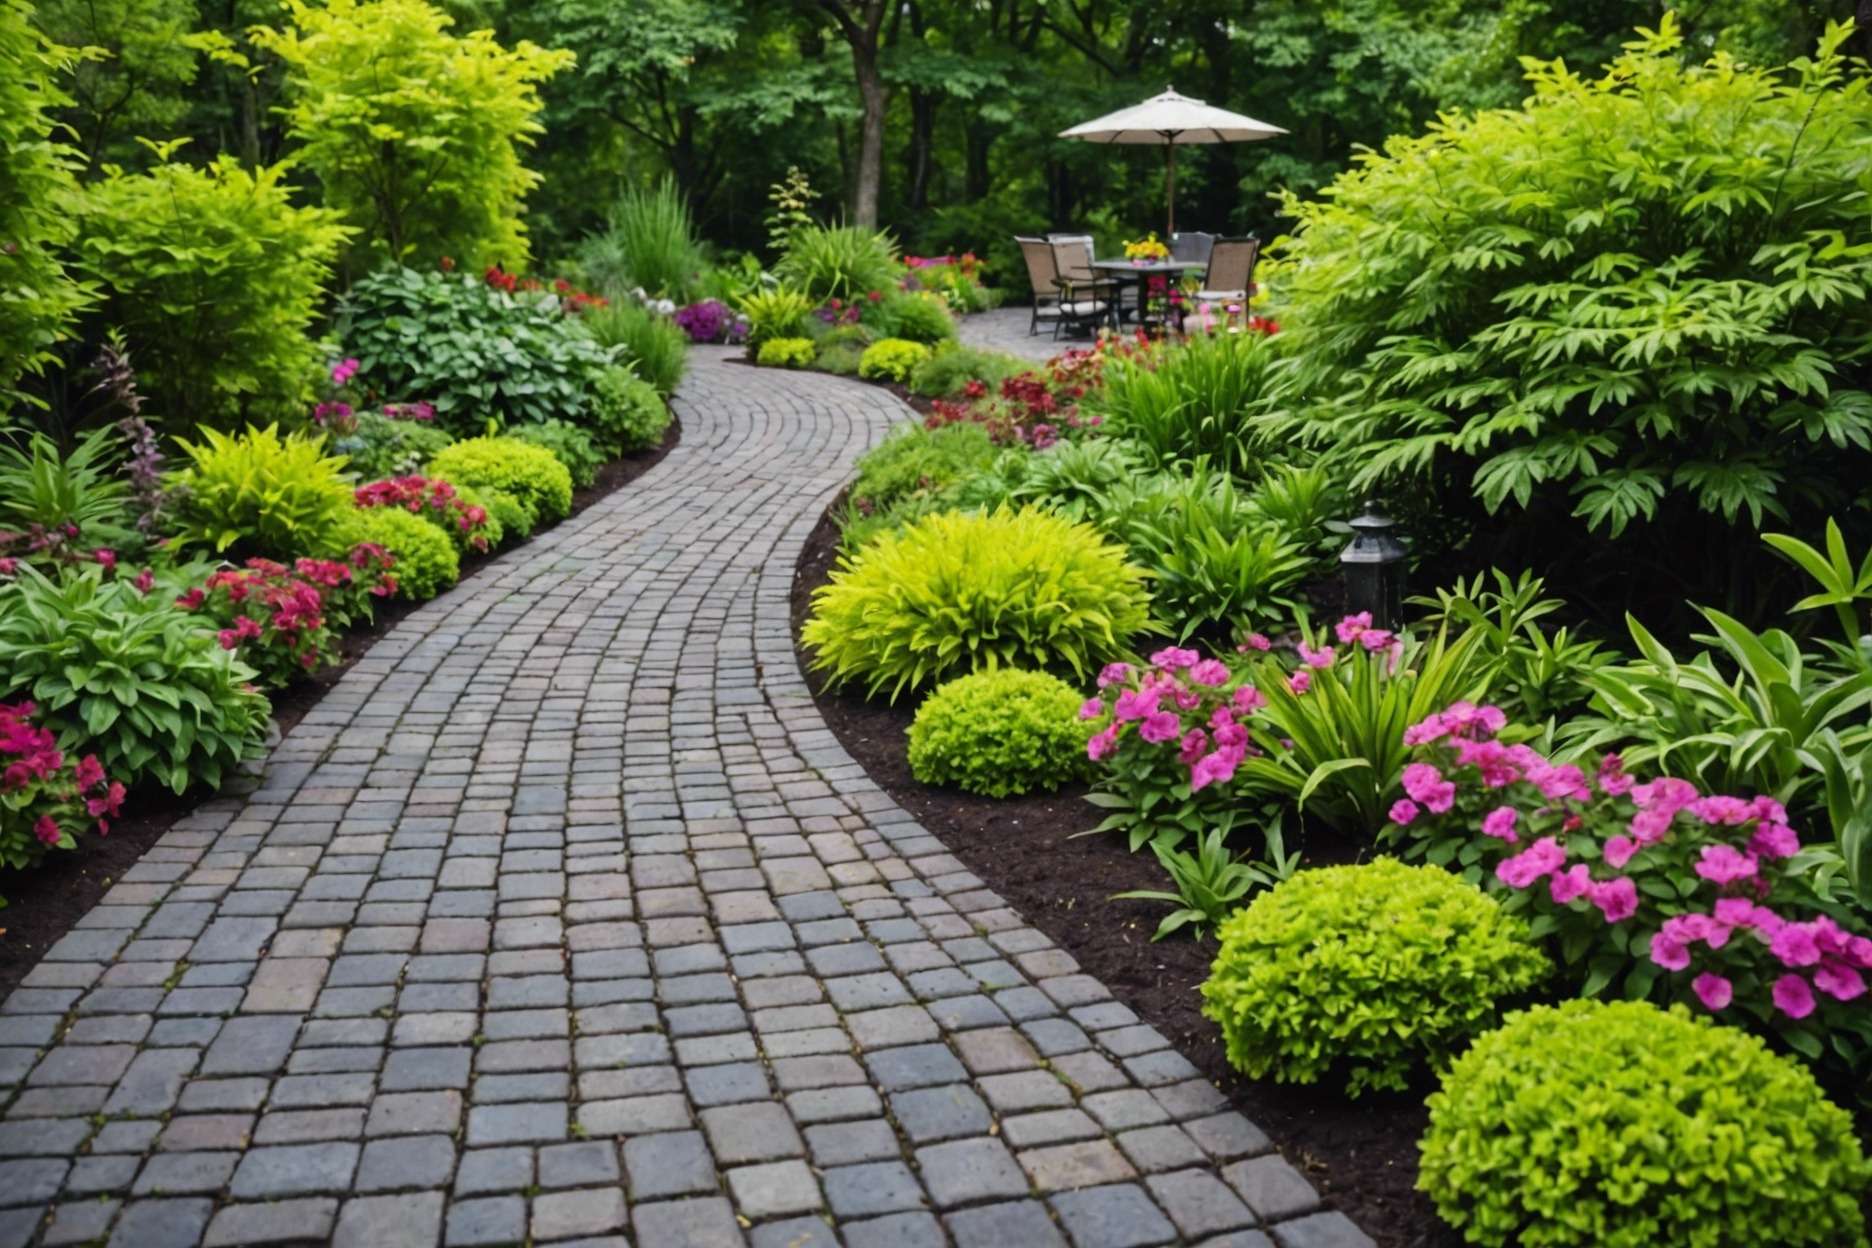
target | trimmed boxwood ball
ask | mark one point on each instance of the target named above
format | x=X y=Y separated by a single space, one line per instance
x=785 y=353
x=1375 y=969
x=532 y=474
x=426 y=561
x=999 y=733
x=1622 y=1125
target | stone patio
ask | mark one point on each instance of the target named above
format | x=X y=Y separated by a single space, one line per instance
x=564 y=919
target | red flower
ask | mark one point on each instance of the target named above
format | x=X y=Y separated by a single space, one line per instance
x=108 y=558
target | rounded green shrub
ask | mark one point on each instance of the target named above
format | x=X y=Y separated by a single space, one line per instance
x=532 y=474
x=785 y=353
x=509 y=513
x=257 y=493
x=919 y=317
x=381 y=447
x=1000 y=732
x=1622 y=1125
x=891 y=359
x=627 y=412
x=1375 y=968
x=953 y=593
x=569 y=444
x=426 y=560
x=493 y=530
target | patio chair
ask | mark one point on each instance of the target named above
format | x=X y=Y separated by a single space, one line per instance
x=1043 y=276
x=1089 y=293
x=1193 y=247
x=1230 y=277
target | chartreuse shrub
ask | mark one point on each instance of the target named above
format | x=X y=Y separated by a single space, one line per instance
x=214 y=275
x=512 y=517
x=998 y=733
x=956 y=593
x=912 y=472
x=891 y=359
x=1622 y=1125
x=627 y=413
x=569 y=444
x=128 y=676
x=839 y=261
x=1373 y=969
x=776 y=313
x=952 y=366
x=1637 y=300
x=785 y=353
x=474 y=352
x=258 y=493
x=414 y=132
x=920 y=317
x=426 y=559
x=531 y=474
x=36 y=183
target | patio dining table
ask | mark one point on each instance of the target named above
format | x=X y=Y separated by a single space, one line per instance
x=1132 y=272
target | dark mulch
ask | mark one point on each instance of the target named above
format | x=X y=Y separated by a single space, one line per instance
x=1362 y=1154
x=44 y=903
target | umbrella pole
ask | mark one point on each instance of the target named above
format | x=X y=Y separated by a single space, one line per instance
x=1169 y=191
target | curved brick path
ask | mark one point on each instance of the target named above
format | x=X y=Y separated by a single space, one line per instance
x=564 y=916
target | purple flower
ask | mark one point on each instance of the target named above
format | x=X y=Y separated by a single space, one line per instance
x=706 y=321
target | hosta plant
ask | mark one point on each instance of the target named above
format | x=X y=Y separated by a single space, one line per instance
x=999 y=733
x=125 y=674
x=1622 y=1125
x=1372 y=971
x=47 y=797
x=259 y=493
x=956 y=593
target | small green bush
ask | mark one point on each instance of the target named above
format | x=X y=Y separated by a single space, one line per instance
x=259 y=494
x=952 y=366
x=839 y=261
x=1622 y=1125
x=654 y=346
x=627 y=413
x=785 y=353
x=776 y=313
x=839 y=358
x=382 y=447
x=999 y=733
x=130 y=677
x=569 y=444
x=426 y=560
x=918 y=317
x=956 y=593
x=892 y=359
x=508 y=513
x=1374 y=968
x=493 y=531
x=531 y=474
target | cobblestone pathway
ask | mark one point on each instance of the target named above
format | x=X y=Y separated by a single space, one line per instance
x=1005 y=329
x=563 y=918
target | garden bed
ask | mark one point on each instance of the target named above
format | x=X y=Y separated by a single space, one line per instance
x=46 y=902
x=1361 y=1154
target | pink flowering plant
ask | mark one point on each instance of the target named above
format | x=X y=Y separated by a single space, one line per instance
x=1676 y=894
x=270 y=617
x=47 y=797
x=434 y=500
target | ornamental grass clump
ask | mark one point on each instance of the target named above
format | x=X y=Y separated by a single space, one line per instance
x=1000 y=733
x=956 y=593
x=1622 y=1125
x=1373 y=970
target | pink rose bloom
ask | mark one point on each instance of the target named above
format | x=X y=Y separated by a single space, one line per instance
x=1725 y=864
x=1247 y=700
x=1319 y=659
x=1212 y=769
x=1173 y=658
x=1619 y=850
x=1793 y=997
x=1114 y=674
x=1569 y=885
x=47 y=830
x=1713 y=991
x=1839 y=981
x=1351 y=626
x=1795 y=945
x=1300 y=682
x=1404 y=812
x=1195 y=745
x=1161 y=726
x=1773 y=841
x=1091 y=708
x=1254 y=641
x=1500 y=824
x=1617 y=899
x=1669 y=954
x=1210 y=672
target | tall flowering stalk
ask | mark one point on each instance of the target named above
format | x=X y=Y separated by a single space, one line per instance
x=1670 y=892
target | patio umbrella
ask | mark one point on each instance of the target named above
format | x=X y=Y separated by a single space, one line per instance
x=1171 y=120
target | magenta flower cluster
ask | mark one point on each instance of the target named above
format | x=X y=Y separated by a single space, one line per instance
x=1182 y=700
x=1707 y=874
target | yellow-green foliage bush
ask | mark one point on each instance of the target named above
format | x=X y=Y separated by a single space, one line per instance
x=1000 y=732
x=426 y=560
x=891 y=359
x=257 y=493
x=1622 y=1125
x=1375 y=969
x=531 y=474
x=953 y=593
x=785 y=353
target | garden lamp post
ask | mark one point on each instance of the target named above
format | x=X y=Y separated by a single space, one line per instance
x=1374 y=569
